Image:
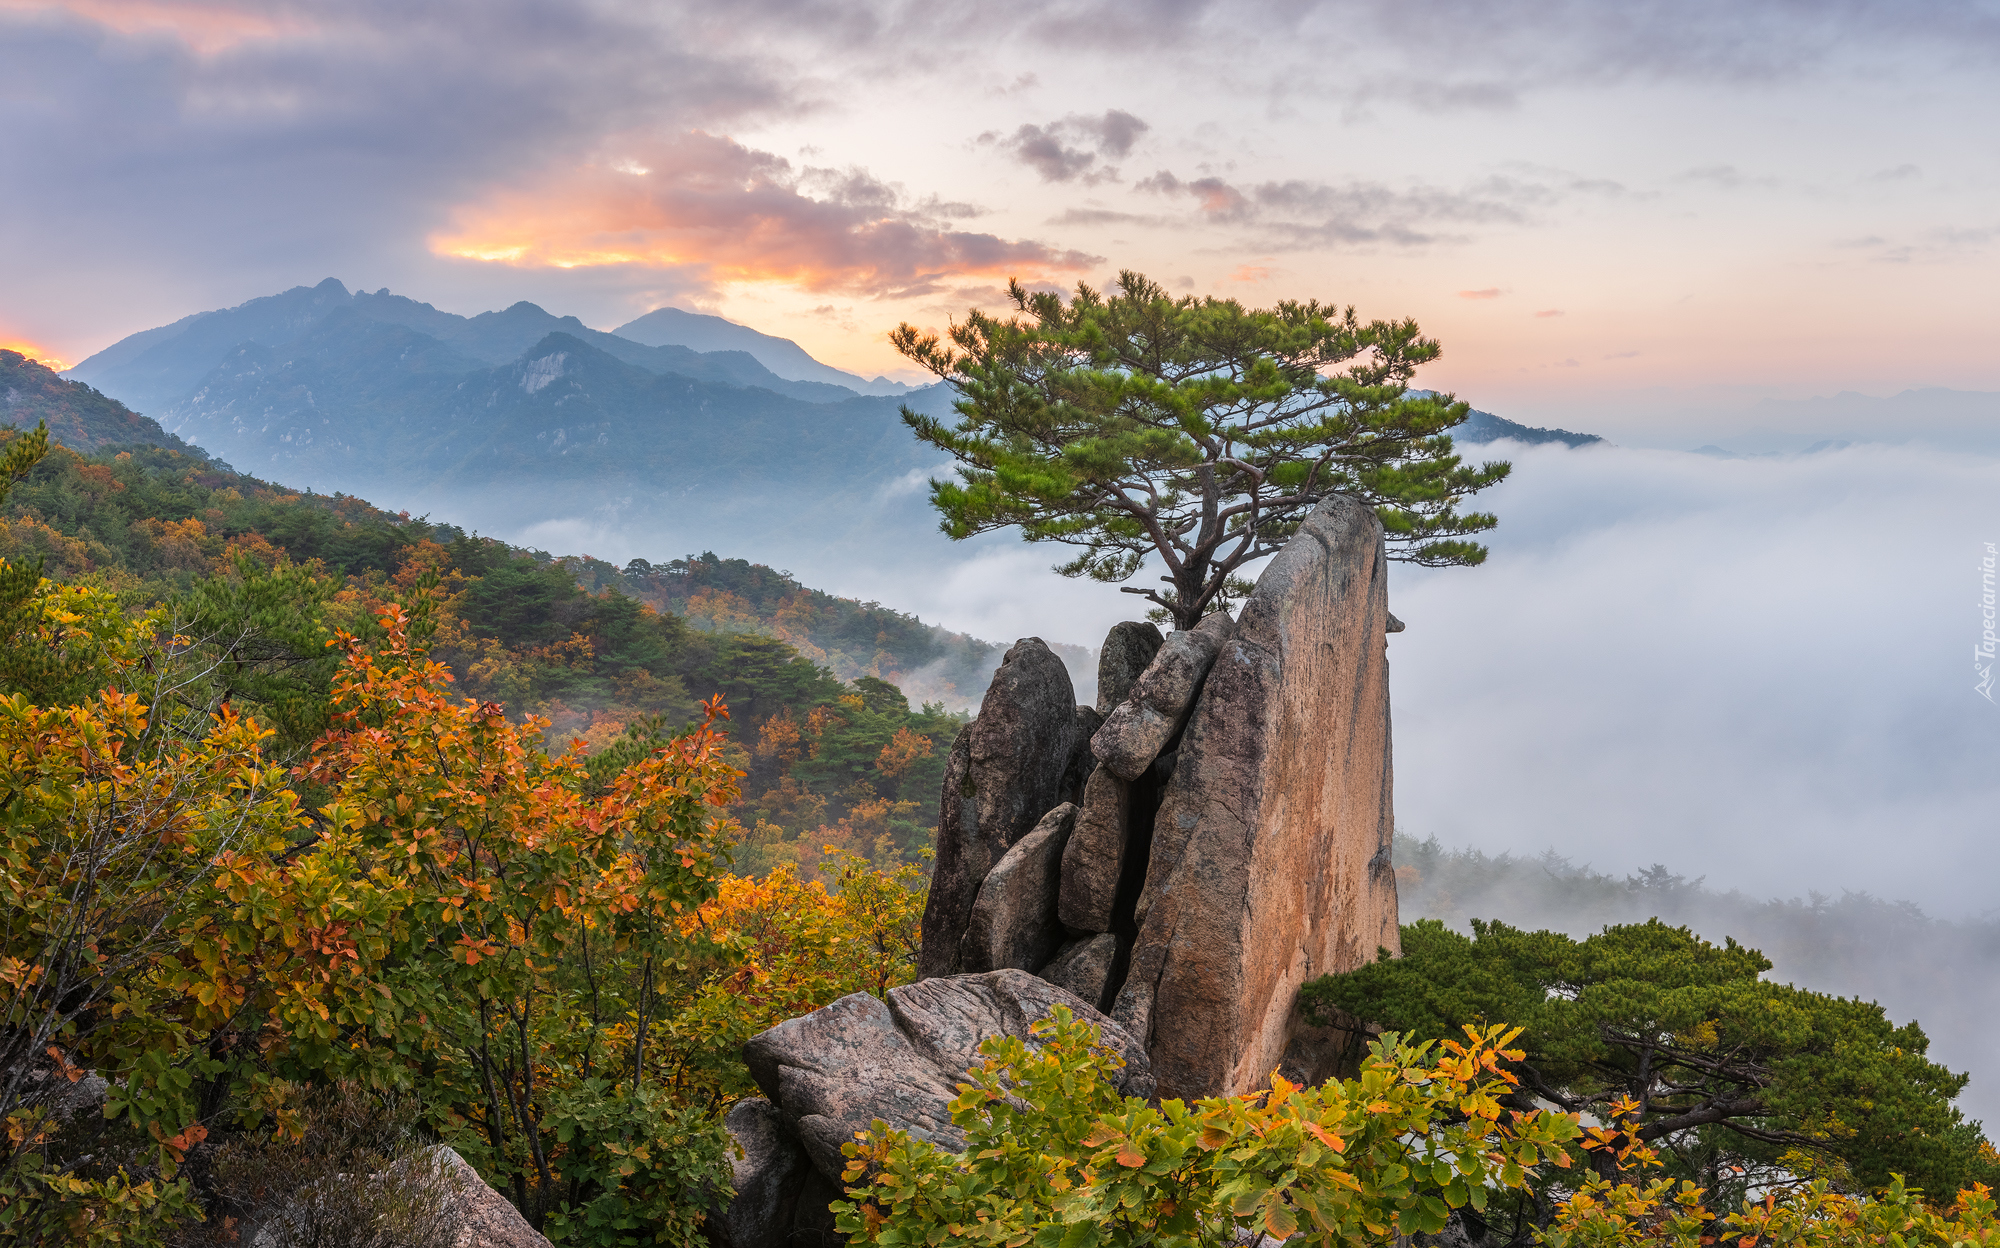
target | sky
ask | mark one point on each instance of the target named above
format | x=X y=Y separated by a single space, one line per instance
x=1650 y=220
x=1755 y=224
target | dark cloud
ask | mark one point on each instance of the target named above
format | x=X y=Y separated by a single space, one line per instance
x=334 y=145
x=1068 y=150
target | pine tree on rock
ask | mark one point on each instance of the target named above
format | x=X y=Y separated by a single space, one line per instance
x=1195 y=429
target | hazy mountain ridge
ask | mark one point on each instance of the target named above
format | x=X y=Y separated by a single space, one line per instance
x=1482 y=427
x=699 y=332
x=157 y=368
x=360 y=404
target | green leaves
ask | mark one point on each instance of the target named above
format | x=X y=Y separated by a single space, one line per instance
x=1055 y=1157
x=1194 y=429
x=1727 y=1073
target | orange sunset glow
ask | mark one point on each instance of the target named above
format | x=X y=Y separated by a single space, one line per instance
x=33 y=352
x=741 y=216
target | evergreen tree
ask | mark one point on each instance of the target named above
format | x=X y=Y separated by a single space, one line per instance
x=1195 y=429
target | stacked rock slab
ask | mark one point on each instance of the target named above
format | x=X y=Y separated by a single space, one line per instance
x=1020 y=758
x=1234 y=839
x=1270 y=855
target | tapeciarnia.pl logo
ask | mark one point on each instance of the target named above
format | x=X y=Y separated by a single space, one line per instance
x=1982 y=654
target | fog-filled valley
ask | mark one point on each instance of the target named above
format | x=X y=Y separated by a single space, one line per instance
x=1727 y=690
x=791 y=625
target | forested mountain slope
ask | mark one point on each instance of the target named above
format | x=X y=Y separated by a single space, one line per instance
x=835 y=754
x=77 y=416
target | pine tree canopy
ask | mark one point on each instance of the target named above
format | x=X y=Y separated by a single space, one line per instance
x=1192 y=428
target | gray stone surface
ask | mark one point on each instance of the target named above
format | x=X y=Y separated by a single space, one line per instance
x=1128 y=650
x=834 y=1071
x=484 y=1218
x=1007 y=769
x=767 y=1180
x=1137 y=729
x=1014 y=921
x=1270 y=862
x=1083 y=966
x=459 y=1209
x=1082 y=763
x=1095 y=856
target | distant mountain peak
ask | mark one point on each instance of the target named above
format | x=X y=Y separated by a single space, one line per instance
x=699 y=331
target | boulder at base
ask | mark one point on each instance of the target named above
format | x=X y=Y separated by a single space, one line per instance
x=1007 y=769
x=1269 y=863
x=767 y=1179
x=834 y=1071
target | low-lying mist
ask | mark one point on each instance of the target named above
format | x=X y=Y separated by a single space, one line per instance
x=1756 y=671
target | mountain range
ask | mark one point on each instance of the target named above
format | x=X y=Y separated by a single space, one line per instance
x=520 y=418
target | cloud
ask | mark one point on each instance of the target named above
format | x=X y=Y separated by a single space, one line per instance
x=1298 y=214
x=1048 y=150
x=739 y=215
x=1546 y=312
x=195 y=155
x=1755 y=670
x=1490 y=292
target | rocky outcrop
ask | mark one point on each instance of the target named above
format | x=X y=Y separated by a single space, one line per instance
x=767 y=1177
x=1139 y=728
x=1269 y=863
x=1007 y=769
x=1233 y=842
x=1014 y=921
x=831 y=1073
x=1128 y=650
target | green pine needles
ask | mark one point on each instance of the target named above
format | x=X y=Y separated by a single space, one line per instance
x=1195 y=429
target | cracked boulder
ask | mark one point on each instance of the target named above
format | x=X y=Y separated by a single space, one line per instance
x=834 y=1071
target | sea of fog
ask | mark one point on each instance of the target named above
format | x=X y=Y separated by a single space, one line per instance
x=1756 y=671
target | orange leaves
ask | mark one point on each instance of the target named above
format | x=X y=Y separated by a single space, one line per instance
x=903 y=752
x=1326 y=1137
x=470 y=951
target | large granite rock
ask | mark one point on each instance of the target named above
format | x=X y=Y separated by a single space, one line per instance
x=1094 y=859
x=1084 y=966
x=1014 y=921
x=1128 y=650
x=834 y=1071
x=1137 y=729
x=1007 y=769
x=1269 y=862
x=767 y=1179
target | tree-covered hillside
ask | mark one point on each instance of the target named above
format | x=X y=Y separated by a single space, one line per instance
x=835 y=754
x=78 y=416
